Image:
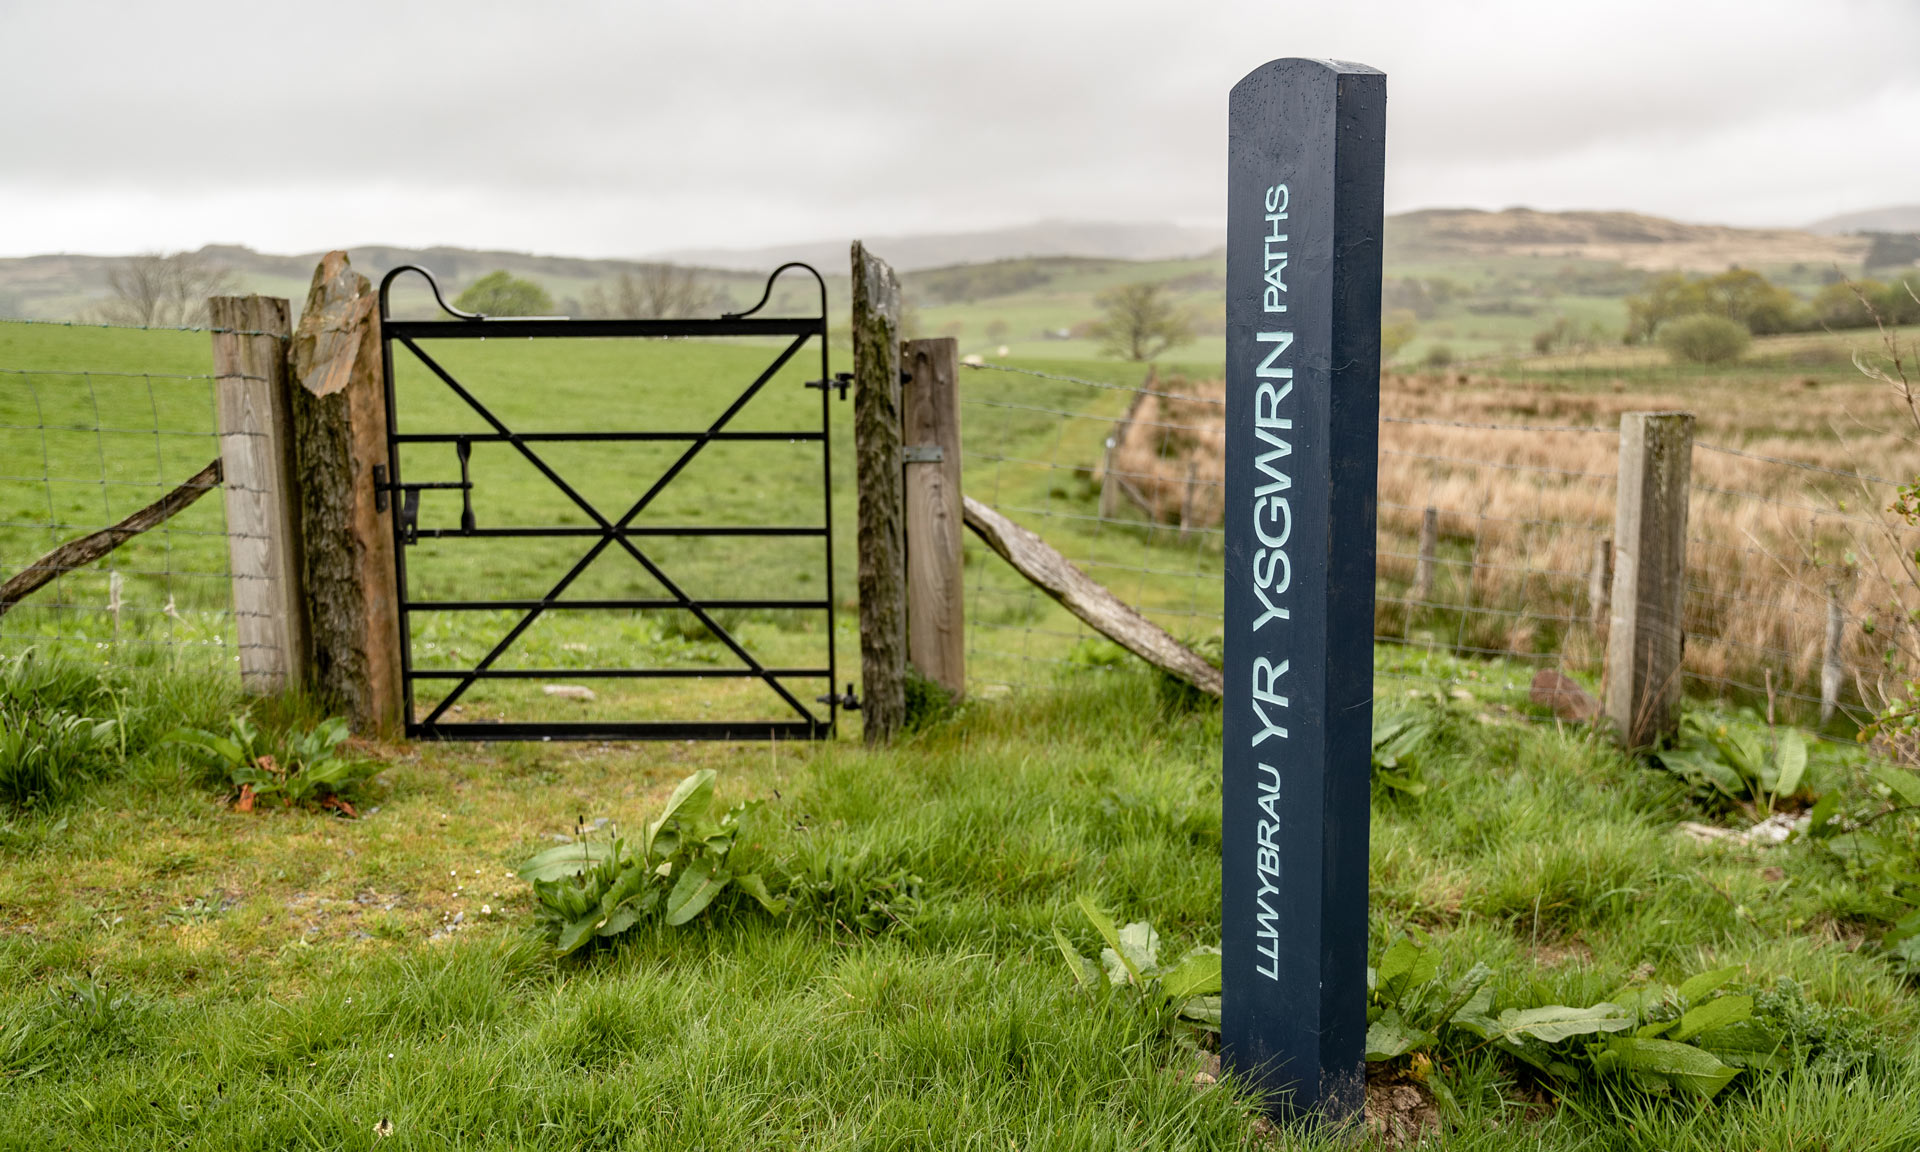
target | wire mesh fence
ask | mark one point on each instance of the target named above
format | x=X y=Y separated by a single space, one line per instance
x=1494 y=532
x=96 y=423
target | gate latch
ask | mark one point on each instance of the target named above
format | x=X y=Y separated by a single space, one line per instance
x=410 y=494
x=849 y=701
x=841 y=380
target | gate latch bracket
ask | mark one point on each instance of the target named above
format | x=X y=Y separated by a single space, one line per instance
x=841 y=380
x=922 y=454
x=848 y=701
x=410 y=494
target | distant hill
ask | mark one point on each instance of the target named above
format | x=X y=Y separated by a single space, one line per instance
x=1644 y=242
x=63 y=286
x=1892 y=218
x=977 y=265
x=939 y=250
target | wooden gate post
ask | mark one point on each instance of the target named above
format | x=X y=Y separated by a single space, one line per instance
x=877 y=469
x=340 y=423
x=250 y=338
x=1645 y=634
x=936 y=616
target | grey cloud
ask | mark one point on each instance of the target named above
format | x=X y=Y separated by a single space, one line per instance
x=610 y=128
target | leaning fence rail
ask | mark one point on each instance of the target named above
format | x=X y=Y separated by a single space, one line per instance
x=99 y=424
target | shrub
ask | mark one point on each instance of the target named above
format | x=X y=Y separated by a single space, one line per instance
x=1704 y=339
x=928 y=702
x=1439 y=356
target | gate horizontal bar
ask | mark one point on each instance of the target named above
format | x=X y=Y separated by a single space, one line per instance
x=614 y=673
x=507 y=328
x=710 y=730
x=604 y=437
x=556 y=605
x=687 y=530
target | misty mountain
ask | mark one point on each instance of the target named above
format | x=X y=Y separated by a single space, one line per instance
x=1889 y=218
x=67 y=286
x=1109 y=241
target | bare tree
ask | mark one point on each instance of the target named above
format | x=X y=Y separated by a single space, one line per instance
x=153 y=289
x=1140 y=322
x=659 y=292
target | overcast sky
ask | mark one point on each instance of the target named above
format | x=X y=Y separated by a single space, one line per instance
x=627 y=128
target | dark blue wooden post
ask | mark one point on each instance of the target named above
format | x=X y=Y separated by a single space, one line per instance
x=1305 y=155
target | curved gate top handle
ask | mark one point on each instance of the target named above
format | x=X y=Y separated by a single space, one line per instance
x=387 y=282
x=767 y=293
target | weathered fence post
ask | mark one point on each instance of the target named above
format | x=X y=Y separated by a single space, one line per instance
x=1832 y=672
x=936 y=615
x=1305 y=162
x=1429 y=551
x=1600 y=585
x=877 y=470
x=250 y=338
x=340 y=423
x=1646 y=636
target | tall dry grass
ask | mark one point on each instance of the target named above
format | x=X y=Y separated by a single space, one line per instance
x=1521 y=509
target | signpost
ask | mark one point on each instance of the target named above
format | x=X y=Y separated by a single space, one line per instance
x=1305 y=156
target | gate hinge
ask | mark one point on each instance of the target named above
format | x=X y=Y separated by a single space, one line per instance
x=841 y=380
x=849 y=701
x=922 y=454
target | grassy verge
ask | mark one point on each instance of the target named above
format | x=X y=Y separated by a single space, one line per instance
x=173 y=971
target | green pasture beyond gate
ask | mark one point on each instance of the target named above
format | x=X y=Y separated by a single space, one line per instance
x=79 y=406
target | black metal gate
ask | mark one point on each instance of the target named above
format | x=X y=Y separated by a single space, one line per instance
x=810 y=720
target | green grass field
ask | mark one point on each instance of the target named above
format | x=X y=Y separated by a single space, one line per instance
x=175 y=972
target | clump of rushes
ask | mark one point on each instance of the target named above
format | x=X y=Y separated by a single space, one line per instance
x=595 y=889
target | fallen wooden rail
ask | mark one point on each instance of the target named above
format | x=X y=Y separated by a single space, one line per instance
x=78 y=553
x=1081 y=595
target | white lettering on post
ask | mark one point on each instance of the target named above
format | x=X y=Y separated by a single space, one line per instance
x=1272 y=514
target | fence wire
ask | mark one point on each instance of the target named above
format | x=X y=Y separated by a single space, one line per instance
x=83 y=447
x=1494 y=542
x=1492 y=546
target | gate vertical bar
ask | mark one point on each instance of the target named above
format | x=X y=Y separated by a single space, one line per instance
x=1305 y=154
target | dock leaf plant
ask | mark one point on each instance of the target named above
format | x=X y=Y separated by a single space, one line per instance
x=593 y=889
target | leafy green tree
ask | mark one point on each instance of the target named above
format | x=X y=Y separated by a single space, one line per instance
x=1863 y=303
x=1739 y=294
x=1140 y=322
x=500 y=293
